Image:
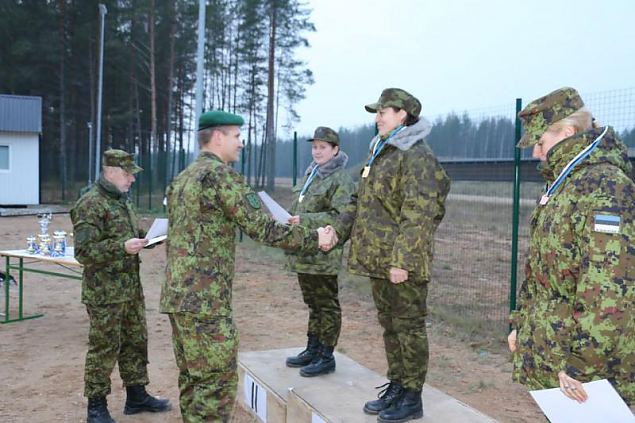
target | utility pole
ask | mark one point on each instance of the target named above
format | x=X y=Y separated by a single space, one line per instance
x=90 y=152
x=102 y=14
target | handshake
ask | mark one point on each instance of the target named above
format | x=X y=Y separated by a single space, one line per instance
x=327 y=238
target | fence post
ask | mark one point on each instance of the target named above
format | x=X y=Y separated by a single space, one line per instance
x=242 y=171
x=295 y=157
x=149 y=179
x=516 y=211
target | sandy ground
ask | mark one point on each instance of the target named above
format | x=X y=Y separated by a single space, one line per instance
x=41 y=360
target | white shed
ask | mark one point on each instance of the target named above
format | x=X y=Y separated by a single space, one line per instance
x=20 y=129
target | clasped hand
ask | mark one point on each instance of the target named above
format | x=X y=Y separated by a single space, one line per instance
x=327 y=238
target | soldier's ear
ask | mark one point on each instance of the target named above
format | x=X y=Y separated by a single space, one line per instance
x=402 y=114
x=568 y=131
x=215 y=138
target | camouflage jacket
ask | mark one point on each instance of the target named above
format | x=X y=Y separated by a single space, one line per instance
x=397 y=208
x=207 y=202
x=324 y=200
x=103 y=220
x=576 y=307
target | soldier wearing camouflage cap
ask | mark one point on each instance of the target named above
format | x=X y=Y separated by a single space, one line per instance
x=207 y=203
x=322 y=195
x=399 y=203
x=575 y=320
x=107 y=244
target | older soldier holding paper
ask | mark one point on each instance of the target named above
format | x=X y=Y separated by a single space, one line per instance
x=107 y=243
x=575 y=320
x=207 y=203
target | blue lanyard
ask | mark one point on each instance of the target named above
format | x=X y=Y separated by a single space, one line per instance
x=380 y=145
x=308 y=181
x=573 y=163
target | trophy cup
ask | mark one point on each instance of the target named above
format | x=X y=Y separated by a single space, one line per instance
x=45 y=244
x=31 y=246
x=45 y=219
x=59 y=243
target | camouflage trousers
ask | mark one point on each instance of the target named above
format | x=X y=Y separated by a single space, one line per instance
x=206 y=350
x=117 y=334
x=319 y=293
x=401 y=309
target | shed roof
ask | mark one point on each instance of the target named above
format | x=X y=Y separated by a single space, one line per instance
x=20 y=113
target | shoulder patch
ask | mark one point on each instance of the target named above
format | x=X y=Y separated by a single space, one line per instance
x=606 y=223
x=253 y=200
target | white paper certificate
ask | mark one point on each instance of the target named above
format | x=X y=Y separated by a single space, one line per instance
x=158 y=231
x=278 y=213
x=604 y=405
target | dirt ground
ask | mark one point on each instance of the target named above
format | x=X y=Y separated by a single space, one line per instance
x=41 y=360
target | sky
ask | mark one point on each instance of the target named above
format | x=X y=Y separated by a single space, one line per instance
x=461 y=55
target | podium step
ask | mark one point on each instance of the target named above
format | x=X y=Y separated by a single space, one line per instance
x=278 y=394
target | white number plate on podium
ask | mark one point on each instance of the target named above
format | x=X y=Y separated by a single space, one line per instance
x=255 y=397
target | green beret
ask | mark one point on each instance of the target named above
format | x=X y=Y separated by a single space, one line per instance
x=541 y=113
x=323 y=133
x=218 y=118
x=119 y=158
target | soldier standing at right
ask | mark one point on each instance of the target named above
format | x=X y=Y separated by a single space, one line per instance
x=207 y=203
x=399 y=204
x=575 y=320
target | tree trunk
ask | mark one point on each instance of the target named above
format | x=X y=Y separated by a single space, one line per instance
x=62 y=30
x=269 y=135
x=153 y=88
x=168 y=126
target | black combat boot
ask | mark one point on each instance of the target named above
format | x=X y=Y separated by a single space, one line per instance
x=138 y=400
x=408 y=408
x=306 y=356
x=98 y=411
x=322 y=364
x=391 y=393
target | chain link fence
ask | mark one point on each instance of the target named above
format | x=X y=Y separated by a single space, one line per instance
x=473 y=258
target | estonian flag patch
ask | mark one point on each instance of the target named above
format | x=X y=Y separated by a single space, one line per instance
x=607 y=223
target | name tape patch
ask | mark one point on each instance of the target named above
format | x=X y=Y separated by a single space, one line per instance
x=607 y=223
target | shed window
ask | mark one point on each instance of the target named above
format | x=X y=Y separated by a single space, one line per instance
x=4 y=157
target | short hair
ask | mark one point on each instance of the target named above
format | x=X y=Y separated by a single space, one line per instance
x=581 y=120
x=205 y=135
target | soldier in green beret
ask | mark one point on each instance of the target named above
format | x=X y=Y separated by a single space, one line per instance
x=398 y=206
x=575 y=320
x=107 y=244
x=207 y=203
x=323 y=194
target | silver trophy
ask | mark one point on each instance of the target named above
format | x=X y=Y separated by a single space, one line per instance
x=45 y=219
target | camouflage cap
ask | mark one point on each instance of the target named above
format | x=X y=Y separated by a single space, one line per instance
x=396 y=97
x=545 y=111
x=218 y=118
x=323 y=133
x=119 y=158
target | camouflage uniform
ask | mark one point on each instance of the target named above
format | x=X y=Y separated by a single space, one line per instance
x=207 y=202
x=576 y=305
x=393 y=217
x=324 y=199
x=103 y=220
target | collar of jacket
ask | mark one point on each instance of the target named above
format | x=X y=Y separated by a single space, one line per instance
x=408 y=136
x=610 y=150
x=336 y=163
x=110 y=190
x=208 y=155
